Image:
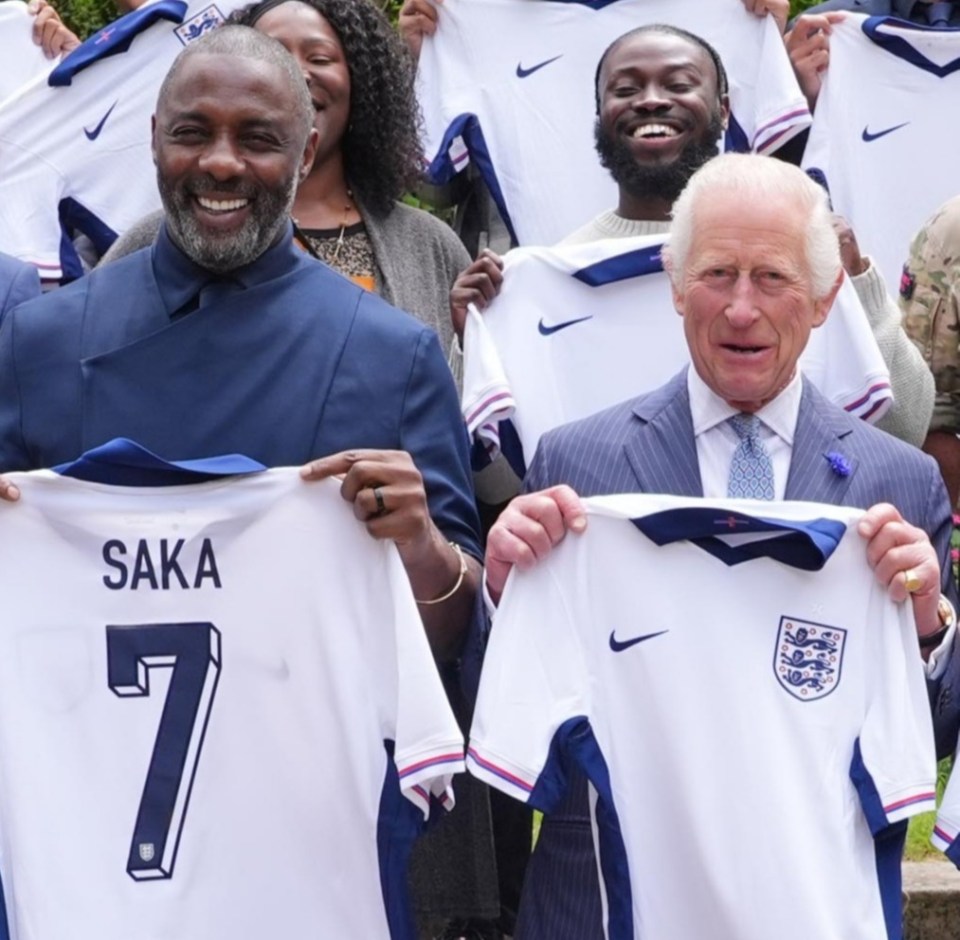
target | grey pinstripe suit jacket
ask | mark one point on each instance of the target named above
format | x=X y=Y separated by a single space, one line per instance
x=647 y=445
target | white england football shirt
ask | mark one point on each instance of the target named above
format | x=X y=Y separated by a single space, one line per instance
x=22 y=58
x=76 y=145
x=200 y=690
x=882 y=113
x=578 y=328
x=514 y=79
x=748 y=724
x=946 y=831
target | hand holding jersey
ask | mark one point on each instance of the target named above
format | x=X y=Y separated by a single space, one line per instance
x=418 y=18
x=751 y=280
x=778 y=9
x=403 y=515
x=49 y=31
x=478 y=285
x=388 y=497
x=534 y=523
x=808 y=45
x=432 y=565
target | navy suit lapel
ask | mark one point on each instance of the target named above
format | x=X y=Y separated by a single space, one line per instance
x=662 y=452
x=821 y=465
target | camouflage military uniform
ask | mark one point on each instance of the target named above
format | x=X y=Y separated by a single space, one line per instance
x=930 y=302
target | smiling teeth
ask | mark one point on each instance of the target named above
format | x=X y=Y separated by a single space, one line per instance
x=655 y=130
x=221 y=205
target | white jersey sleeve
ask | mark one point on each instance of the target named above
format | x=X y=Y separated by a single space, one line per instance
x=882 y=103
x=578 y=328
x=946 y=830
x=893 y=780
x=512 y=81
x=695 y=715
x=23 y=60
x=76 y=145
x=525 y=697
x=227 y=711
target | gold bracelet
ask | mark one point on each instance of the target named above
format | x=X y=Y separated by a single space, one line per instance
x=459 y=581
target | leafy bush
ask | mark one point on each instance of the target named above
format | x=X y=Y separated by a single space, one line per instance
x=86 y=16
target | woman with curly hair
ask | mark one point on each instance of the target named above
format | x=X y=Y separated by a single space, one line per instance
x=347 y=212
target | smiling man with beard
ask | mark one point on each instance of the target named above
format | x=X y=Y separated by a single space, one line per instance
x=220 y=217
x=223 y=337
x=662 y=107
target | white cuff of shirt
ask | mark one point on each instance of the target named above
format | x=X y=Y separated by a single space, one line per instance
x=492 y=608
x=936 y=665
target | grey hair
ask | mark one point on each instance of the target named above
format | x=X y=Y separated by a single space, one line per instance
x=756 y=179
x=248 y=43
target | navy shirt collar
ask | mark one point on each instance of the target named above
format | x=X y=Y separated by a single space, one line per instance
x=180 y=279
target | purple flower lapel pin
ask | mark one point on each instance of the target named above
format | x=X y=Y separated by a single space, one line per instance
x=838 y=463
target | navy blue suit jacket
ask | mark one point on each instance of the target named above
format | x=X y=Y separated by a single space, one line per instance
x=648 y=445
x=18 y=282
x=295 y=363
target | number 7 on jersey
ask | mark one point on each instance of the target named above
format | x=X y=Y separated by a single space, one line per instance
x=193 y=652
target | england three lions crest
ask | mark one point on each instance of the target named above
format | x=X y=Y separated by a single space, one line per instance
x=208 y=18
x=808 y=661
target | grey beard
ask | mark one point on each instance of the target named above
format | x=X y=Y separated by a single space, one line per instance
x=271 y=212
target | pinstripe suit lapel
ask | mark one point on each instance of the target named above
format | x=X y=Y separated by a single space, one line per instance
x=820 y=431
x=662 y=451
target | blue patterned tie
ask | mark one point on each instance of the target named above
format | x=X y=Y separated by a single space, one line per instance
x=939 y=14
x=751 y=472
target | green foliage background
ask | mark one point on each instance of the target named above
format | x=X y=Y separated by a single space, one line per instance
x=87 y=16
x=798 y=6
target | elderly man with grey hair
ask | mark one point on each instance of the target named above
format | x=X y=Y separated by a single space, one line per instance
x=754 y=266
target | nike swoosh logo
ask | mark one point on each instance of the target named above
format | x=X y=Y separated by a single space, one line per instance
x=95 y=133
x=868 y=137
x=525 y=73
x=557 y=327
x=618 y=646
